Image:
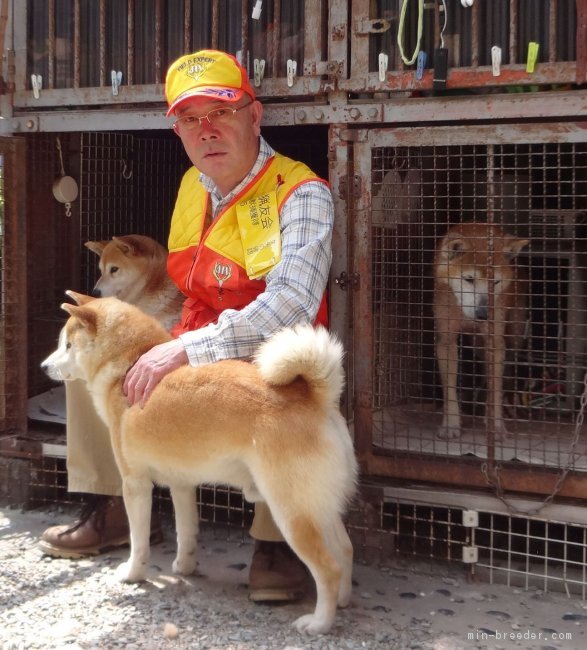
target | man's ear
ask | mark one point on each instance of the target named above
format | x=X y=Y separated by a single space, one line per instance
x=79 y=298
x=85 y=315
x=257 y=113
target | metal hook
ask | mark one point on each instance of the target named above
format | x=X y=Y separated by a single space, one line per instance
x=126 y=175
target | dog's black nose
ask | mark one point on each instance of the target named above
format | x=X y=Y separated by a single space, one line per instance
x=481 y=312
x=96 y=293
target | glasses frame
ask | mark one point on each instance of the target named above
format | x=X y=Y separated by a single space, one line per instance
x=200 y=118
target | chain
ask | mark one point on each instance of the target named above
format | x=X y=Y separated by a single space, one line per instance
x=495 y=483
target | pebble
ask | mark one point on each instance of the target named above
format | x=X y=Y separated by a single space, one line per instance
x=170 y=631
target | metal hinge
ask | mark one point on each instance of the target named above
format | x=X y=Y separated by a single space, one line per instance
x=330 y=68
x=344 y=281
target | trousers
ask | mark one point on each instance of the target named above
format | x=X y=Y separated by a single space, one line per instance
x=92 y=469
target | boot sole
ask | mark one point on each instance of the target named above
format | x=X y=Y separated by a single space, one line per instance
x=276 y=595
x=91 y=551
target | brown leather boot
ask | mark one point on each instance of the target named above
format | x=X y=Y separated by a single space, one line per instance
x=276 y=573
x=102 y=526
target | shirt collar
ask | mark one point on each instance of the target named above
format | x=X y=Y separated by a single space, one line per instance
x=265 y=152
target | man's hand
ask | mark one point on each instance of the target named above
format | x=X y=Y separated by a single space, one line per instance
x=150 y=369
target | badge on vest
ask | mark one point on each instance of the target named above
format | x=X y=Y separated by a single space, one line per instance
x=258 y=222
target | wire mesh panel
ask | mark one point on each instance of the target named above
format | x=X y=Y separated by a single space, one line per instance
x=477 y=284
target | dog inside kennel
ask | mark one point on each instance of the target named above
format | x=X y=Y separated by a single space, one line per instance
x=479 y=275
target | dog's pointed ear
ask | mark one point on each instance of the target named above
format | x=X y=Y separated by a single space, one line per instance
x=125 y=244
x=96 y=246
x=514 y=246
x=452 y=249
x=86 y=315
x=79 y=298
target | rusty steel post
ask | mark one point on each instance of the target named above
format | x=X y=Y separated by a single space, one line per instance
x=130 y=26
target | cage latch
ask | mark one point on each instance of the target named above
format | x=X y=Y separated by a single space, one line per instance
x=344 y=280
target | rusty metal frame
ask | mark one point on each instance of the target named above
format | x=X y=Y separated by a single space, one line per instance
x=475 y=76
x=15 y=287
x=397 y=465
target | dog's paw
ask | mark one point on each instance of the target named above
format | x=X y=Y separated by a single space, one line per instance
x=184 y=566
x=344 y=596
x=127 y=572
x=312 y=624
x=448 y=433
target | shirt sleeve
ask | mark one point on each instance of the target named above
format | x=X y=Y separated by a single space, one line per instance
x=294 y=287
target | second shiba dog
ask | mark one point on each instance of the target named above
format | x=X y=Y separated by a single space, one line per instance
x=271 y=427
x=134 y=269
x=464 y=276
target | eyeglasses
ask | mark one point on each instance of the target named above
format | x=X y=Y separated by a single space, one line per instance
x=216 y=117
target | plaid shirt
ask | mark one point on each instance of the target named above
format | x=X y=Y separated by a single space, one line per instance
x=295 y=286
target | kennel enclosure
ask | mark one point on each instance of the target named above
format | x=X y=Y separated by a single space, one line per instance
x=82 y=94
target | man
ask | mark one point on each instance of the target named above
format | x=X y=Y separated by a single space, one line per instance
x=250 y=247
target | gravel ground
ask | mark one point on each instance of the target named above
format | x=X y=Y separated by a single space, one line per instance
x=48 y=603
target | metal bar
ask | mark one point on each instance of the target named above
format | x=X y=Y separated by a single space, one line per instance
x=245 y=34
x=274 y=47
x=187 y=26
x=359 y=43
x=339 y=153
x=465 y=473
x=76 y=44
x=363 y=298
x=552 y=32
x=51 y=44
x=581 y=41
x=475 y=35
x=338 y=35
x=480 y=134
x=130 y=26
x=15 y=283
x=103 y=36
x=401 y=111
x=511 y=75
x=215 y=20
x=513 y=31
x=158 y=43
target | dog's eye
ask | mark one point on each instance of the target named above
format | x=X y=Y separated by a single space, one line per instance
x=469 y=279
x=113 y=270
x=496 y=282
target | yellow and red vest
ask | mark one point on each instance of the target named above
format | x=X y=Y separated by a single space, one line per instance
x=209 y=267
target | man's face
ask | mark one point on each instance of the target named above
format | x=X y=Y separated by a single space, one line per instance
x=226 y=149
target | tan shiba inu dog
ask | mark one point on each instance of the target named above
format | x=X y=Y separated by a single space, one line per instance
x=466 y=275
x=134 y=269
x=271 y=427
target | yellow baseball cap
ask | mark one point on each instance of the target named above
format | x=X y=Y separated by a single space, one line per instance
x=207 y=73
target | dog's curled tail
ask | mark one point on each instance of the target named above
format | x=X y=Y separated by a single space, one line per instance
x=307 y=351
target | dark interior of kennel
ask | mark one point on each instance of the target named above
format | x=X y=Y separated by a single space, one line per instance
x=127 y=184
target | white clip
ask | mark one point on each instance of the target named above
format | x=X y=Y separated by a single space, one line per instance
x=257 y=10
x=258 y=71
x=292 y=66
x=496 y=60
x=116 y=81
x=467 y=3
x=37 y=82
x=383 y=61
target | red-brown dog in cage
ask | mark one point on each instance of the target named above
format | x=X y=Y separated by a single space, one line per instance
x=134 y=269
x=473 y=261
